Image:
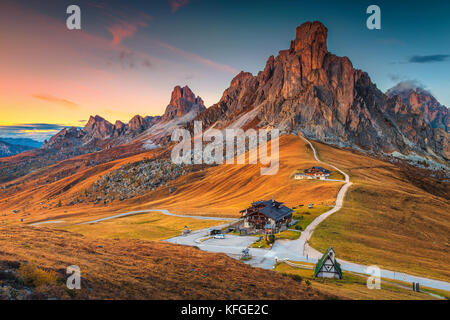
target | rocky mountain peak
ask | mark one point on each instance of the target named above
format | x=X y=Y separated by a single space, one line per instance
x=119 y=125
x=137 y=123
x=419 y=100
x=308 y=89
x=311 y=35
x=99 y=127
x=182 y=102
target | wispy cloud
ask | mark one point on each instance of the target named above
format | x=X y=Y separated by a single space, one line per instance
x=429 y=58
x=126 y=29
x=175 y=5
x=35 y=131
x=52 y=99
x=121 y=23
x=198 y=58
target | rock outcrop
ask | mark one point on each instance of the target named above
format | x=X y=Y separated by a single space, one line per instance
x=182 y=102
x=422 y=101
x=308 y=89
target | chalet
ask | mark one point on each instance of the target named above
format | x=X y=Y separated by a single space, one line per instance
x=301 y=176
x=267 y=216
x=327 y=266
x=313 y=173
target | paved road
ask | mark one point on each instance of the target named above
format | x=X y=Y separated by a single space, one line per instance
x=45 y=222
x=163 y=211
x=306 y=235
x=295 y=250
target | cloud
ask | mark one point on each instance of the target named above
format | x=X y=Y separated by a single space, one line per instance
x=394 y=77
x=121 y=23
x=175 y=5
x=35 y=131
x=52 y=99
x=196 y=57
x=125 y=29
x=408 y=85
x=129 y=59
x=429 y=58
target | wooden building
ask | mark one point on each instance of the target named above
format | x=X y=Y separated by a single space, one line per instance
x=327 y=266
x=267 y=216
x=317 y=173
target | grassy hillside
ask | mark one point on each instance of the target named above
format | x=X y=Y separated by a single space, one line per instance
x=220 y=190
x=354 y=287
x=149 y=226
x=132 y=269
x=227 y=189
x=388 y=219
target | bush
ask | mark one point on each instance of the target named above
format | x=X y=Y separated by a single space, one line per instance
x=33 y=276
x=308 y=283
x=296 y=277
x=299 y=228
x=271 y=238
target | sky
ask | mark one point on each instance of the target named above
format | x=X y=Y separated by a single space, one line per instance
x=129 y=55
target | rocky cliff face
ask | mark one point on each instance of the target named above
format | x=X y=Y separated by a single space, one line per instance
x=309 y=89
x=421 y=101
x=183 y=101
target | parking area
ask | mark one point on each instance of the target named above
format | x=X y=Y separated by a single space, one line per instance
x=231 y=244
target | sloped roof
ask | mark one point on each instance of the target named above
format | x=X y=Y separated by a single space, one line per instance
x=322 y=260
x=274 y=209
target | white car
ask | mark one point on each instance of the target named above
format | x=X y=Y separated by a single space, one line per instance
x=219 y=236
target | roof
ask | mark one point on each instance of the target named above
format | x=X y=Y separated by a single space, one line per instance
x=322 y=260
x=316 y=170
x=273 y=209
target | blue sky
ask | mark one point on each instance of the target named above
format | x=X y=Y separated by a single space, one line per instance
x=130 y=54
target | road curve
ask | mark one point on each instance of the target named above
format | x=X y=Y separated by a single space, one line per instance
x=306 y=234
x=295 y=250
x=310 y=254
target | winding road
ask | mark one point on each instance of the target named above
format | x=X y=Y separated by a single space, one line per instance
x=306 y=235
x=294 y=250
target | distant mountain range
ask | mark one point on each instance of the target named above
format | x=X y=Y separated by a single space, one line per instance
x=99 y=133
x=304 y=89
x=27 y=142
x=9 y=149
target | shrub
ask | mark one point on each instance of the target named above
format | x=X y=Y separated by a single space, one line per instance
x=296 y=277
x=308 y=283
x=33 y=276
x=298 y=228
x=271 y=238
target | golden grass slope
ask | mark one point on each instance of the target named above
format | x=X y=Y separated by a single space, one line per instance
x=137 y=269
x=354 y=287
x=148 y=226
x=220 y=190
x=227 y=189
x=386 y=219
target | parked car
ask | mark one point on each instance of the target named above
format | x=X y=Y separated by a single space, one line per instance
x=215 y=231
x=219 y=236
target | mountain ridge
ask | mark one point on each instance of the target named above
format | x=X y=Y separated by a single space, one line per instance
x=306 y=88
